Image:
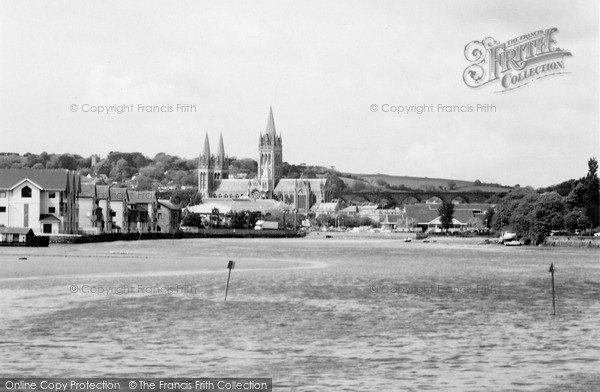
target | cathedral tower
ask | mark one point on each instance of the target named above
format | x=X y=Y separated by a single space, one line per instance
x=206 y=171
x=270 y=158
x=221 y=162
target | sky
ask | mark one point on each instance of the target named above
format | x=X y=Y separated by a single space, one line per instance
x=322 y=66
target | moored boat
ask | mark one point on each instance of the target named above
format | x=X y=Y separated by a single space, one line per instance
x=513 y=243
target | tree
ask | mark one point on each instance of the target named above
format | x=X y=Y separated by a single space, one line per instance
x=245 y=166
x=521 y=219
x=586 y=193
x=215 y=218
x=475 y=223
x=382 y=183
x=144 y=183
x=591 y=196
x=446 y=211
x=577 y=220
x=187 y=197
x=575 y=198
x=67 y=161
x=489 y=216
x=325 y=220
x=547 y=215
x=334 y=183
x=121 y=171
x=192 y=219
x=103 y=167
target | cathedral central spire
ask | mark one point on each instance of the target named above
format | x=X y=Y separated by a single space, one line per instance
x=270 y=158
x=221 y=149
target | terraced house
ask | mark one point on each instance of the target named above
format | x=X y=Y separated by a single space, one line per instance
x=44 y=200
x=108 y=209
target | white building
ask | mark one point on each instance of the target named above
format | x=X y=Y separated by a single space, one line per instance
x=44 y=200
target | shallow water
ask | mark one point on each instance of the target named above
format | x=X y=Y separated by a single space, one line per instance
x=312 y=314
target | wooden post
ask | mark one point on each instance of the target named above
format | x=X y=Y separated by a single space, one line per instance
x=553 y=300
x=230 y=266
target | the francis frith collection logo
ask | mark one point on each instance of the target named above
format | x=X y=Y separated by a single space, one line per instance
x=516 y=62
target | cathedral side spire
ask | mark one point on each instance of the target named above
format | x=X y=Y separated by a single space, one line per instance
x=206 y=152
x=271 y=124
x=206 y=170
x=221 y=162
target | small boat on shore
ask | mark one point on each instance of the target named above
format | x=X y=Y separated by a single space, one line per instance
x=512 y=243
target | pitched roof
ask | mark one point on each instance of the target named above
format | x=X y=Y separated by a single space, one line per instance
x=141 y=197
x=290 y=184
x=350 y=209
x=47 y=179
x=226 y=205
x=327 y=207
x=422 y=213
x=389 y=218
x=102 y=191
x=286 y=185
x=315 y=183
x=118 y=193
x=471 y=207
x=169 y=205
x=232 y=186
x=88 y=189
x=15 y=230
x=426 y=213
x=48 y=218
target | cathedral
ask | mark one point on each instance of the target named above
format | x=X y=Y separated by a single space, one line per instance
x=214 y=181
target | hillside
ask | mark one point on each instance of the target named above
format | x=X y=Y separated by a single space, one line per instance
x=430 y=183
x=165 y=171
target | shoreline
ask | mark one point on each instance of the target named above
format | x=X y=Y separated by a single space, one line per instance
x=550 y=241
x=203 y=233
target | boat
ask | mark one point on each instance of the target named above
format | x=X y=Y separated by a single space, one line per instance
x=513 y=243
x=508 y=236
x=407 y=239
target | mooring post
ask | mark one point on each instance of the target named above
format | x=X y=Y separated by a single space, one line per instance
x=553 y=300
x=230 y=266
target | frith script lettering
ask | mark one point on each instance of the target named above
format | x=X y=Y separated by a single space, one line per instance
x=516 y=62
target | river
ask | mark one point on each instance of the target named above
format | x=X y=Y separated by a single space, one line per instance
x=313 y=314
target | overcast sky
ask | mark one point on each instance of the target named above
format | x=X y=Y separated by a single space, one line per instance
x=321 y=65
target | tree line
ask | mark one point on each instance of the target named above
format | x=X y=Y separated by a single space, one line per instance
x=534 y=215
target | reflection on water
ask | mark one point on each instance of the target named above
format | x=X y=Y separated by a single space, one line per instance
x=372 y=315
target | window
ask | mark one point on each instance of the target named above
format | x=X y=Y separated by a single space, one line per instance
x=51 y=210
x=2 y=194
x=26 y=191
x=2 y=209
x=52 y=195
